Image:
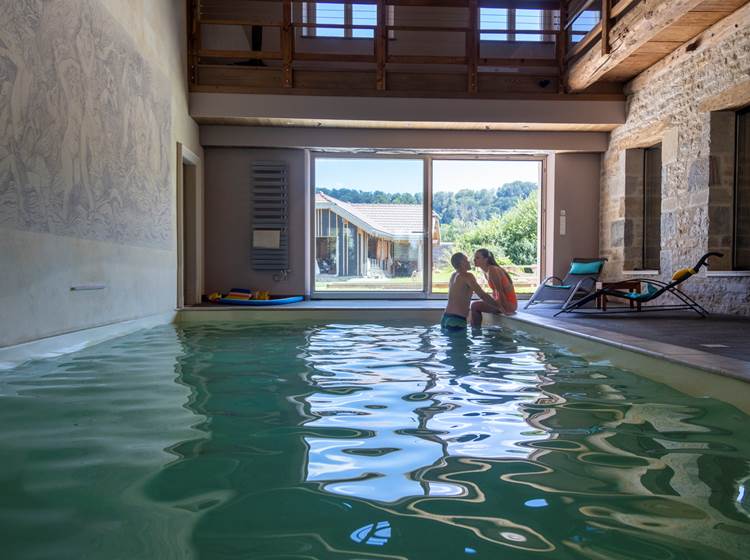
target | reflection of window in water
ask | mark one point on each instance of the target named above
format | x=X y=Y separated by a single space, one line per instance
x=376 y=465
x=393 y=418
x=403 y=418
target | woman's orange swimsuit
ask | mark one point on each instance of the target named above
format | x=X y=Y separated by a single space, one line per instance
x=508 y=291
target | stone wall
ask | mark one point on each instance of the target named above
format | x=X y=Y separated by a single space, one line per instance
x=93 y=99
x=672 y=103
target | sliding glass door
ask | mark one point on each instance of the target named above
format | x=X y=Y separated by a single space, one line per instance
x=490 y=204
x=386 y=226
x=369 y=225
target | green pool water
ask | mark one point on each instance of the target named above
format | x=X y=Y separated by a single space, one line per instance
x=362 y=441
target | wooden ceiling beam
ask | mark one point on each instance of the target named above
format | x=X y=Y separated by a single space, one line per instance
x=644 y=22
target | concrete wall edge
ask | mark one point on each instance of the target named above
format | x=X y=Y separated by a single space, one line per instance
x=412 y=140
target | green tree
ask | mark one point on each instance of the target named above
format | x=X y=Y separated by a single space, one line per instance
x=465 y=206
x=482 y=235
x=511 y=237
x=517 y=231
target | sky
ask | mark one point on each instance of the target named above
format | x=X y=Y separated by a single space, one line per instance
x=405 y=175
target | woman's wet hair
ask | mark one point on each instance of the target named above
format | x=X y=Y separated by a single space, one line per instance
x=487 y=254
x=456 y=259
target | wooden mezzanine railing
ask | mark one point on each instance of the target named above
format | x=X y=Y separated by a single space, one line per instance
x=291 y=69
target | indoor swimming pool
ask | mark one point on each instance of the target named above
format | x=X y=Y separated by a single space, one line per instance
x=397 y=441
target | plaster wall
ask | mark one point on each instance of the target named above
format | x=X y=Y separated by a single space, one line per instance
x=572 y=185
x=228 y=219
x=573 y=188
x=351 y=138
x=672 y=103
x=93 y=99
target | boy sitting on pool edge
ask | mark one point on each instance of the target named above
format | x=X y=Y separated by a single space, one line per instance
x=461 y=286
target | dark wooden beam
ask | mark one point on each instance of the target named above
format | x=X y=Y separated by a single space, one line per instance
x=472 y=46
x=381 y=46
x=561 y=45
x=606 y=21
x=287 y=44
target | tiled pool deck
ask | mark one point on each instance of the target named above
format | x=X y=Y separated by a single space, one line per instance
x=718 y=343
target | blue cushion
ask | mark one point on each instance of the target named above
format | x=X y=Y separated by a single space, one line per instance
x=593 y=267
x=646 y=294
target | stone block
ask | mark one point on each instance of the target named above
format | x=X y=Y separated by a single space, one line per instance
x=668 y=225
x=670 y=146
x=699 y=198
x=670 y=204
x=617 y=233
x=698 y=175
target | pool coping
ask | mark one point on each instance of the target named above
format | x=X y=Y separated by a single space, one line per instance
x=14 y=356
x=431 y=309
x=681 y=355
x=66 y=343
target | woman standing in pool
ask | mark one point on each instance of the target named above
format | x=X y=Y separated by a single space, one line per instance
x=502 y=288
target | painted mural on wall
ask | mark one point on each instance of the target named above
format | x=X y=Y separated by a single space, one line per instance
x=85 y=127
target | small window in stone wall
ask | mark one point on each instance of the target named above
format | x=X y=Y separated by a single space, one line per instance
x=651 y=207
x=729 y=189
x=642 y=228
x=741 y=244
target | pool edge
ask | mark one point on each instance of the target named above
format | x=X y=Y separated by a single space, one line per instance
x=66 y=343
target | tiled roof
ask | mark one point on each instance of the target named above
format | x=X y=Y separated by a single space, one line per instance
x=398 y=220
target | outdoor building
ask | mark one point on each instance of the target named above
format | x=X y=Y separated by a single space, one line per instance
x=371 y=240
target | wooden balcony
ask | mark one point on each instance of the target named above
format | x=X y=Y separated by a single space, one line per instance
x=408 y=48
x=632 y=35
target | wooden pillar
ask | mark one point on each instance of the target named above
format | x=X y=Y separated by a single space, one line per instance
x=381 y=45
x=472 y=45
x=287 y=44
x=562 y=45
x=606 y=22
x=194 y=40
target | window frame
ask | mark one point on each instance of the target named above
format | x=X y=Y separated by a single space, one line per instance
x=546 y=21
x=577 y=35
x=309 y=26
x=646 y=259
x=743 y=113
x=427 y=159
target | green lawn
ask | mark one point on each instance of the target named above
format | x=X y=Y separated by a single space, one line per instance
x=524 y=283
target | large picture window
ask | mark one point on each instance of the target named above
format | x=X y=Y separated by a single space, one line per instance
x=389 y=224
